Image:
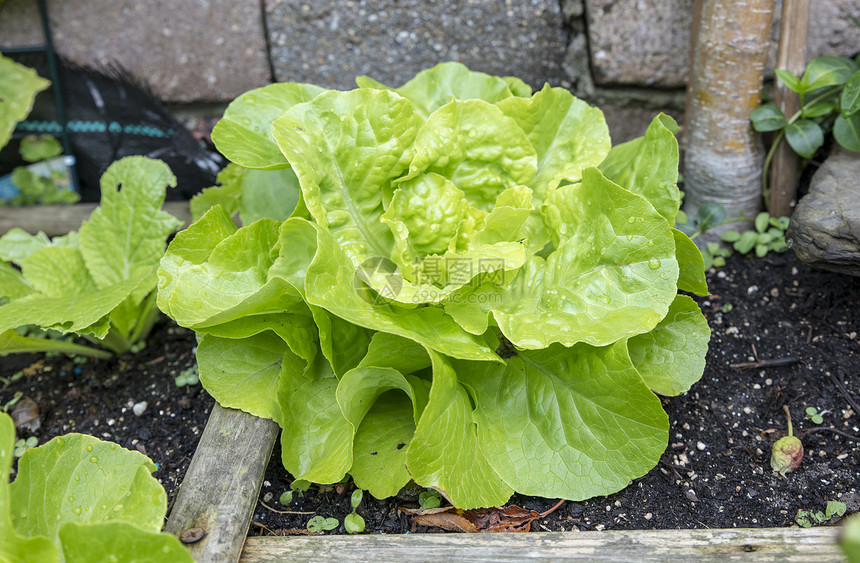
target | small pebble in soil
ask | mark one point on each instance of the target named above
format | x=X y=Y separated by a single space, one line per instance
x=139 y=408
x=701 y=446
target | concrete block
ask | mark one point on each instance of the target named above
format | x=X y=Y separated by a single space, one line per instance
x=189 y=51
x=329 y=42
x=647 y=43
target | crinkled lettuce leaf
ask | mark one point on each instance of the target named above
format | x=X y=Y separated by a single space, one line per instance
x=83 y=498
x=18 y=88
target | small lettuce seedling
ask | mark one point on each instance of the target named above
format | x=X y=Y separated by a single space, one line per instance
x=319 y=524
x=98 y=282
x=354 y=523
x=429 y=499
x=806 y=518
x=787 y=451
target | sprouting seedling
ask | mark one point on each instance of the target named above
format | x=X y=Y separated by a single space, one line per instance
x=188 y=376
x=806 y=518
x=815 y=415
x=298 y=486
x=22 y=445
x=430 y=499
x=319 y=524
x=787 y=451
x=354 y=523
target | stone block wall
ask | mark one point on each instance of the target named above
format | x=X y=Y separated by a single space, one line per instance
x=628 y=56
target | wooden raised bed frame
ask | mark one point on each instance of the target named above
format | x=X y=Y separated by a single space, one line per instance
x=220 y=491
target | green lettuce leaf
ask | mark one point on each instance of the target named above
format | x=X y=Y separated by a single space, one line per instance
x=612 y=274
x=17 y=244
x=671 y=357
x=648 y=166
x=12 y=283
x=445 y=452
x=255 y=194
x=14 y=545
x=244 y=133
x=433 y=88
x=18 y=88
x=691 y=263
x=346 y=148
x=120 y=542
x=548 y=426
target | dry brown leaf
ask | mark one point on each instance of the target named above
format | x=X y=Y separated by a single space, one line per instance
x=490 y=520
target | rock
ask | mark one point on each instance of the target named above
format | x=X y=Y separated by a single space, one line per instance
x=825 y=228
x=329 y=43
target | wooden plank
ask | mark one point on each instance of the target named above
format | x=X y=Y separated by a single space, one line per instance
x=792 y=57
x=670 y=546
x=221 y=487
x=56 y=220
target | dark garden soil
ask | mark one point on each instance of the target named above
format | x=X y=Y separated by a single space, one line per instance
x=783 y=334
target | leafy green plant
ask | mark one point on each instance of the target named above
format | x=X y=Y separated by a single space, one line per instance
x=768 y=236
x=47 y=182
x=429 y=499
x=829 y=91
x=78 y=499
x=353 y=522
x=98 y=282
x=806 y=518
x=188 y=377
x=22 y=445
x=319 y=524
x=816 y=416
x=475 y=290
x=298 y=486
x=18 y=88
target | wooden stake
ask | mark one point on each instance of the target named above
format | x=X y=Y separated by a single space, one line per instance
x=791 y=57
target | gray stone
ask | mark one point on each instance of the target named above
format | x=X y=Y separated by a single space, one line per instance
x=648 y=43
x=825 y=228
x=201 y=50
x=330 y=42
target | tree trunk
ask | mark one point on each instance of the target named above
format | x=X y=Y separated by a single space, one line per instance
x=724 y=158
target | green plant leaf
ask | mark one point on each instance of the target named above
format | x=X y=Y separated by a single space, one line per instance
x=827 y=71
x=433 y=88
x=762 y=220
x=567 y=134
x=346 y=148
x=319 y=524
x=614 y=260
x=834 y=508
x=80 y=479
x=383 y=406
x=805 y=137
x=14 y=545
x=353 y=523
x=818 y=109
x=789 y=79
x=244 y=133
x=445 y=453
x=730 y=236
x=691 y=276
x=355 y=498
x=316 y=442
x=847 y=131
x=18 y=88
x=128 y=230
x=548 y=427
x=710 y=215
x=849 y=100
x=849 y=539
x=42 y=147
x=12 y=343
x=671 y=357
x=12 y=283
x=116 y=541
x=17 y=244
x=768 y=117
x=648 y=166
x=746 y=242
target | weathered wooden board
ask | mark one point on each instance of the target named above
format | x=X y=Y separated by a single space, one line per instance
x=56 y=220
x=220 y=489
x=670 y=546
